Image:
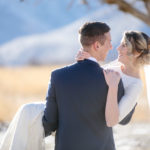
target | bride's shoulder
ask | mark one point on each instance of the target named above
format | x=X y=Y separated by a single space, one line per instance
x=130 y=81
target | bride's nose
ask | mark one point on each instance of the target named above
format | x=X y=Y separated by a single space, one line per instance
x=118 y=48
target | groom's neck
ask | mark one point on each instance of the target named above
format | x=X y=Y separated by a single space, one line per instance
x=92 y=55
x=90 y=51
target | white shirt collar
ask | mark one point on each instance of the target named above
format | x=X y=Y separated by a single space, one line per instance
x=93 y=59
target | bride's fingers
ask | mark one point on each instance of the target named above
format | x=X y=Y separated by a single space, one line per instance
x=117 y=73
x=78 y=55
x=79 y=58
x=79 y=52
x=85 y=54
x=107 y=71
x=82 y=56
x=110 y=70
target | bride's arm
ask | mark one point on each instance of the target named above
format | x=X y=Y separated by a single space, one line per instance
x=112 y=111
x=122 y=112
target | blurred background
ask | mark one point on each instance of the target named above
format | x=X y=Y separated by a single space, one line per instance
x=38 y=36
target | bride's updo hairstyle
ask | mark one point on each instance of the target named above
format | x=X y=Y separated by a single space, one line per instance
x=138 y=44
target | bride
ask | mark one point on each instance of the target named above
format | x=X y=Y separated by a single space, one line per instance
x=133 y=54
x=26 y=132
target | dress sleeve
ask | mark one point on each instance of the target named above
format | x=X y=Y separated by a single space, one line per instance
x=129 y=100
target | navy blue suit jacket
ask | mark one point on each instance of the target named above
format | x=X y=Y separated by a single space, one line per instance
x=75 y=108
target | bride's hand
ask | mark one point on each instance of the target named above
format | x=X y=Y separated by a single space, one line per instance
x=112 y=77
x=81 y=55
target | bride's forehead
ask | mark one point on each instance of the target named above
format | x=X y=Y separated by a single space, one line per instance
x=122 y=40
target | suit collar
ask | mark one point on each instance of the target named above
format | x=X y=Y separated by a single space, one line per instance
x=89 y=61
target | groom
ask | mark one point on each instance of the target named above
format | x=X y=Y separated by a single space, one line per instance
x=76 y=97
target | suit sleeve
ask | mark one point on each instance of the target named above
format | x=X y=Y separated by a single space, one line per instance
x=50 y=118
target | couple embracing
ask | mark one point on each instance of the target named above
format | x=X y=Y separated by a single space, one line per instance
x=85 y=100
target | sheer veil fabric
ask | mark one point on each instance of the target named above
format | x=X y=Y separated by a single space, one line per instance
x=147 y=79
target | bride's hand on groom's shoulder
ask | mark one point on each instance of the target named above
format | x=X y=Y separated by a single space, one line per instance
x=112 y=77
x=81 y=55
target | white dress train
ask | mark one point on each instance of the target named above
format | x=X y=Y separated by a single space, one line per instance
x=25 y=131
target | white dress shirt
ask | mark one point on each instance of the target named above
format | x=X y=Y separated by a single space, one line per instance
x=93 y=59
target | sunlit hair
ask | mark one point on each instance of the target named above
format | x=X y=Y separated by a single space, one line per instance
x=91 y=32
x=138 y=43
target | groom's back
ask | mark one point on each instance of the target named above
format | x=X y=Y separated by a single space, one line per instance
x=81 y=93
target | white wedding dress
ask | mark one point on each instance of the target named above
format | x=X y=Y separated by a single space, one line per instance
x=26 y=131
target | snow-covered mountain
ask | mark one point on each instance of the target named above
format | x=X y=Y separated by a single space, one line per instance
x=61 y=44
x=38 y=16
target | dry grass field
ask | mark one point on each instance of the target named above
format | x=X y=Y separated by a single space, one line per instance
x=22 y=85
x=27 y=84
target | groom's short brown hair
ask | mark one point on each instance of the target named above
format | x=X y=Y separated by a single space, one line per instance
x=91 y=32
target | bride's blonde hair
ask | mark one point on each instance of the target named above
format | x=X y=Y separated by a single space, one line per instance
x=138 y=43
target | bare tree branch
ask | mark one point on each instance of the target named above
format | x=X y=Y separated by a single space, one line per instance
x=147 y=6
x=125 y=6
x=85 y=2
x=128 y=8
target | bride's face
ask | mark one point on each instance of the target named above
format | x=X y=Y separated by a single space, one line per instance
x=123 y=55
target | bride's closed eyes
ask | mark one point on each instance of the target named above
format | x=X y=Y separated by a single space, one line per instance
x=123 y=44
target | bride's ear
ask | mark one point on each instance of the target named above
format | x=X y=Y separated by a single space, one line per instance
x=136 y=54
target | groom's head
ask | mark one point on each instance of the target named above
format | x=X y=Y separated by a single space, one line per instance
x=96 y=39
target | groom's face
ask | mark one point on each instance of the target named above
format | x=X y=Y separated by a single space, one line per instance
x=104 y=49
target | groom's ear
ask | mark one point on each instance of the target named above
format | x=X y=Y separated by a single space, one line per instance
x=96 y=45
